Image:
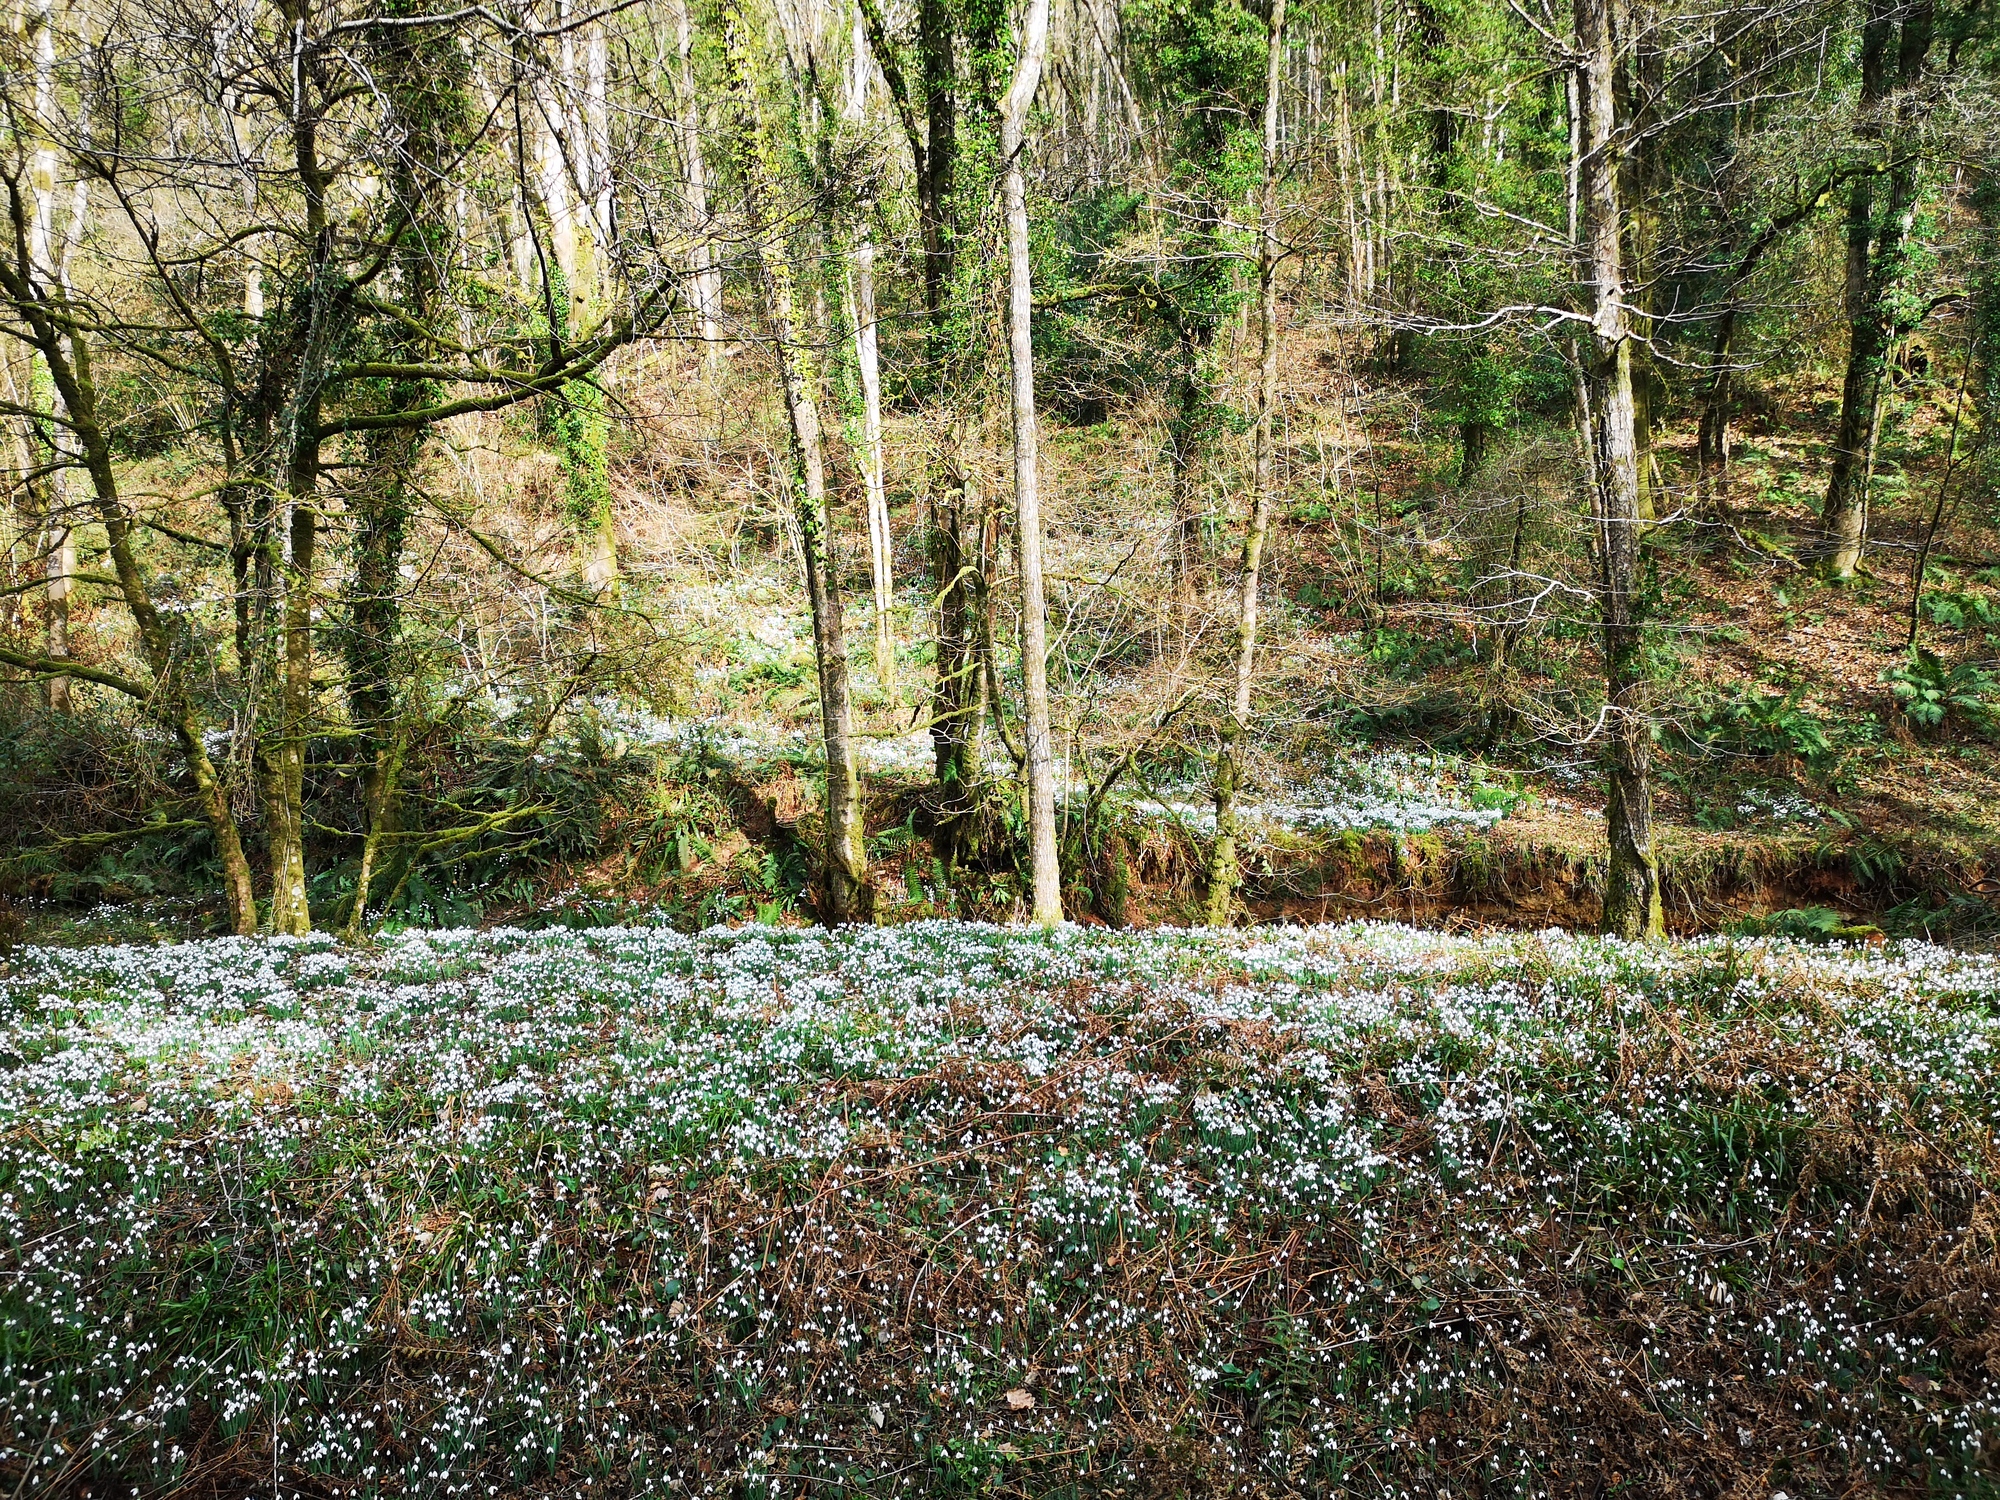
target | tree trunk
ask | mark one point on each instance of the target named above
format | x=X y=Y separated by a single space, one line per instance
x=1183 y=443
x=1632 y=906
x=706 y=276
x=1474 y=436
x=1223 y=872
x=881 y=549
x=1877 y=254
x=1712 y=436
x=867 y=359
x=424 y=76
x=61 y=570
x=43 y=255
x=953 y=697
x=1047 y=877
x=65 y=350
x=285 y=753
x=572 y=158
x=848 y=898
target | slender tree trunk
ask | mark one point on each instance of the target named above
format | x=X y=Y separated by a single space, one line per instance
x=1712 y=435
x=1877 y=255
x=706 y=276
x=867 y=359
x=38 y=289
x=574 y=155
x=1632 y=907
x=1183 y=445
x=881 y=548
x=953 y=717
x=1047 y=878
x=379 y=805
x=1923 y=558
x=61 y=570
x=25 y=512
x=42 y=253
x=848 y=898
x=65 y=351
x=285 y=755
x=1223 y=872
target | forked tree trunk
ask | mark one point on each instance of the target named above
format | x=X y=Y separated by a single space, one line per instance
x=848 y=898
x=1041 y=779
x=64 y=348
x=1223 y=870
x=38 y=287
x=283 y=754
x=1632 y=886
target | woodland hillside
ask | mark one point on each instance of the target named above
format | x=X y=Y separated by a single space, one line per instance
x=1128 y=460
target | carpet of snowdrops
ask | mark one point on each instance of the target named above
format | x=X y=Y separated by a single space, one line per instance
x=953 y=1209
x=1380 y=789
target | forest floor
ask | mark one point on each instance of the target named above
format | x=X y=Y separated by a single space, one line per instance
x=949 y=1209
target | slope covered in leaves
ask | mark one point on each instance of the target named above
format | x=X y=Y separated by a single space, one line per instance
x=952 y=1209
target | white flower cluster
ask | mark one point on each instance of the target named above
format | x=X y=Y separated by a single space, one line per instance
x=1408 y=793
x=1327 y=1210
x=747 y=744
x=1779 y=805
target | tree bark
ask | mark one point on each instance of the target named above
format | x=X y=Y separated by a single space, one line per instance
x=423 y=76
x=49 y=262
x=1223 y=870
x=706 y=276
x=848 y=897
x=881 y=546
x=574 y=181
x=1877 y=255
x=1047 y=873
x=282 y=755
x=64 y=348
x=1632 y=907
x=867 y=359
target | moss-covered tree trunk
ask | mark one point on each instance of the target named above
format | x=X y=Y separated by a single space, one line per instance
x=1878 y=247
x=1223 y=872
x=762 y=166
x=1632 y=889
x=424 y=79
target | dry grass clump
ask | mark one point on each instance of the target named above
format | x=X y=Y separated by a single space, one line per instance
x=953 y=1209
